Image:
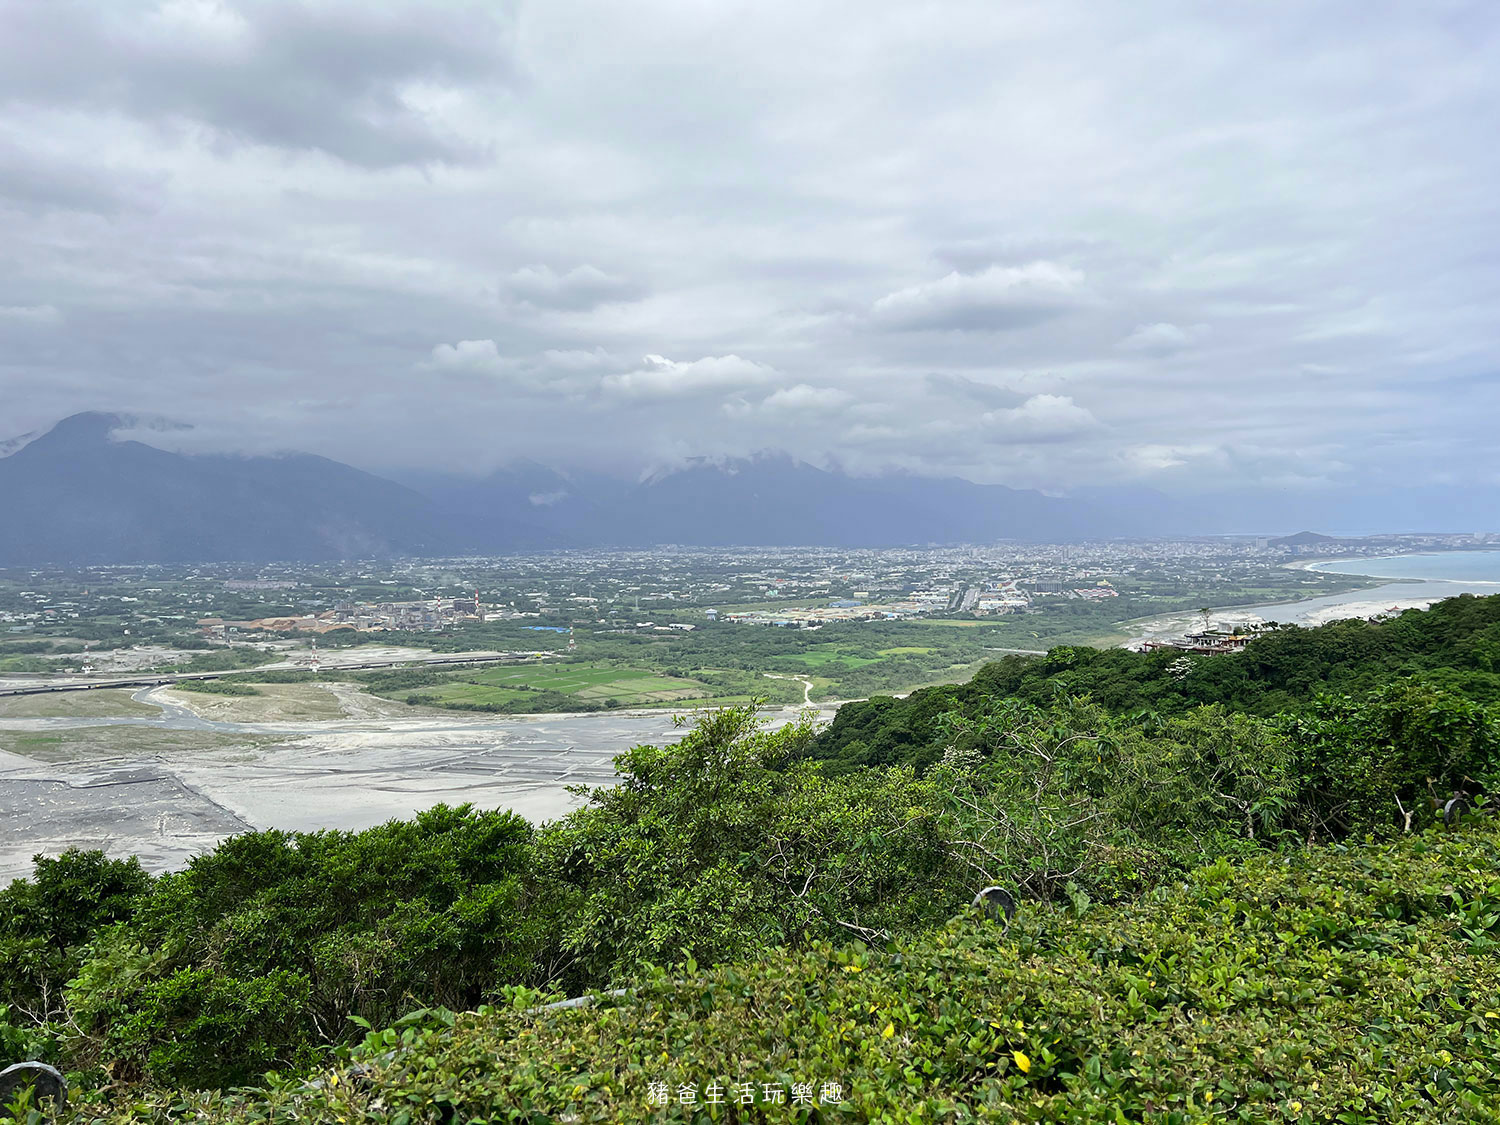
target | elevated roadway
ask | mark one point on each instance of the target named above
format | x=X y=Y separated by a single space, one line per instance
x=161 y=679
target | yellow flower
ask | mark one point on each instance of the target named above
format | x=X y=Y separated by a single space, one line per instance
x=1208 y=1096
x=1022 y=1061
x=1296 y=1107
x=851 y=968
x=890 y=1029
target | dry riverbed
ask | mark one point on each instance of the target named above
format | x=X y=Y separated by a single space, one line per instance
x=182 y=770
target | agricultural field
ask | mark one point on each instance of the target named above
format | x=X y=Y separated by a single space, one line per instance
x=834 y=656
x=534 y=687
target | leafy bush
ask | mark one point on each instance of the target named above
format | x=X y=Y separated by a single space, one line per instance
x=1392 y=759
x=216 y=687
x=1356 y=986
x=719 y=846
x=46 y=921
x=308 y=930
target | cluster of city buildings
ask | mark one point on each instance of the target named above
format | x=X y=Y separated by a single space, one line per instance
x=411 y=616
x=985 y=598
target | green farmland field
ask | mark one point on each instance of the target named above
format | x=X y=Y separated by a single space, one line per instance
x=516 y=686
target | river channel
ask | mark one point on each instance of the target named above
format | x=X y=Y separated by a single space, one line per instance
x=168 y=786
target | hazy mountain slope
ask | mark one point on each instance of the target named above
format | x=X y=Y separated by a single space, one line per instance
x=778 y=500
x=534 y=505
x=76 y=496
x=768 y=500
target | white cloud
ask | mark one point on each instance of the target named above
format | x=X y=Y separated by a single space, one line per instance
x=479 y=356
x=1157 y=458
x=662 y=378
x=570 y=372
x=1162 y=338
x=30 y=314
x=577 y=359
x=1039 y=418
x=806 y=400
x=998 y=299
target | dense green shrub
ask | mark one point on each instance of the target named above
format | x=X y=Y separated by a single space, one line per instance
x=216 y=687
x=1391 y=759
x=46 y=921
x=718 y=846
x=1356 y=986
x=308 y=930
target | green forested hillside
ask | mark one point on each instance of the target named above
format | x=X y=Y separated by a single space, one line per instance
x=1454 y=645
x=736 y=848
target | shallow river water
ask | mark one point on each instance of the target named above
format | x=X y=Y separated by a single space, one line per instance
x=170 y=804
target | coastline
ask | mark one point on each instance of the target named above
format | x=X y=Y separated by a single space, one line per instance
x=1383 y=594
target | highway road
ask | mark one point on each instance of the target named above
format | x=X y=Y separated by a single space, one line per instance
x=46 y=684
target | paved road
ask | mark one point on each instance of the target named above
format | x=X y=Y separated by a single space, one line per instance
x=21 y=683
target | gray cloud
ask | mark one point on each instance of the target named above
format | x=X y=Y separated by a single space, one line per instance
x=582 y=287
x=360 y=82
x=1049 y=244
x=997 y=299
x=30 y=314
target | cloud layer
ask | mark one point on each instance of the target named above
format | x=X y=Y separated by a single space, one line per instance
x=1049 y=244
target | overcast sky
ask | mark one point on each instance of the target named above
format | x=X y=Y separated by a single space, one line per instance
x=1189 y=245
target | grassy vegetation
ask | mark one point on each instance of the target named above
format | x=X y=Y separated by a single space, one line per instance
x=31 y=664
x=1354 y=986
x=833 y=655
x=101 y=703
x=217 y=687
x=515 y=687
x=253 y=701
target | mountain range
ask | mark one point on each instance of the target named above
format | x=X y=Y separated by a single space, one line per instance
x=77 y=494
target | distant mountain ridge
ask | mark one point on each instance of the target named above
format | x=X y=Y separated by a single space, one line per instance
x=78 y=495
x=770 y=499
x=75 y=495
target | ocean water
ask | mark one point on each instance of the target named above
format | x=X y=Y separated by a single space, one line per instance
x=1445 y=566
x=1413 y=582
